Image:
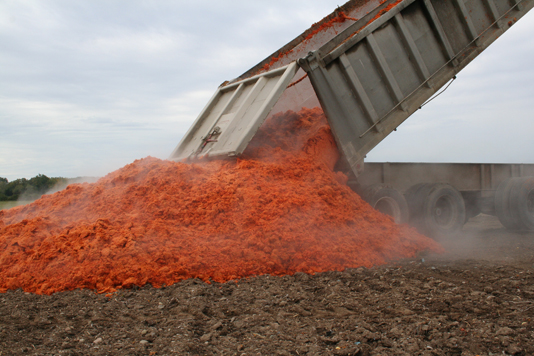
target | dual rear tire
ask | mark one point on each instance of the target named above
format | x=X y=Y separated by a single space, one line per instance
x=439 y=209
x=387 y=200
x=436 y=209
x=514 y=203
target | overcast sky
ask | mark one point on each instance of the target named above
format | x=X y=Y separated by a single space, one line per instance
x=89 y=86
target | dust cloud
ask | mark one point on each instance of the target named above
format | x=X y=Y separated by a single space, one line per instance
x=483 y=238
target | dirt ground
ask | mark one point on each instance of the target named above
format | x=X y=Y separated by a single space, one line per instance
x=477 y=299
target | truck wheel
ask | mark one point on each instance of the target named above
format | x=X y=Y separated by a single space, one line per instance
x=438 y=209
x=503 y=208
x=523 y=200
x=415 y=197
x=514 y=203
x=388 y=201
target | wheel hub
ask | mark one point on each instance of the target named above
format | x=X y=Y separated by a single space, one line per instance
x=443 y=212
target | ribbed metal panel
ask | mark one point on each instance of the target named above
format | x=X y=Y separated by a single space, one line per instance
x=380 y=70
x=233 y=115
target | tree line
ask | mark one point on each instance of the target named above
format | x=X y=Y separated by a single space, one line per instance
x=28 y=189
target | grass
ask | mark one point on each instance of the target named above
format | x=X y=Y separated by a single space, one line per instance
x=11 y=204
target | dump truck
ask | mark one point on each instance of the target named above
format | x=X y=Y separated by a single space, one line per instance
x=370 y=65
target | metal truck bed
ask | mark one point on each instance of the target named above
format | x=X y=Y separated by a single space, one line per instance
x=378 y=72
x=201 y=140
x=370 y=65
x=370 y=70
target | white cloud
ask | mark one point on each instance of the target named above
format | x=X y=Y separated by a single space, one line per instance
x=133 y=44
x=88 y=86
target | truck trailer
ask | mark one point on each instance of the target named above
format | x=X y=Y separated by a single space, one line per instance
x=370 y=65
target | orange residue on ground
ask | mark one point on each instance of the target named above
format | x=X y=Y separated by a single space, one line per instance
x=278 y=210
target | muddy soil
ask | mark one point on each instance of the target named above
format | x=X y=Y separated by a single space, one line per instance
x=477 y=299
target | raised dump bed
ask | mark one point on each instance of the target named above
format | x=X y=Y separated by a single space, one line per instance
x=370 y=65
x=379 y=71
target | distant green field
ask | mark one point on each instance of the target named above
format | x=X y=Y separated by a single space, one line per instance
x=11 y=204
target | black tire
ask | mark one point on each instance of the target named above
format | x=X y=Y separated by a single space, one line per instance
x=514 y=203
x=436 y=209
x=503 y=209
x=523 y=200
x=415 y=197
x=388 y=201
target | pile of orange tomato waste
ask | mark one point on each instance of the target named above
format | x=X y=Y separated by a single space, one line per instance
x=279 y=209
